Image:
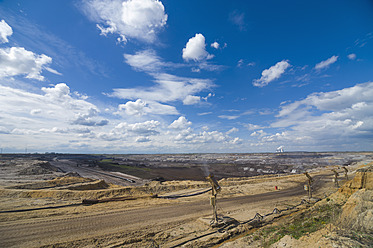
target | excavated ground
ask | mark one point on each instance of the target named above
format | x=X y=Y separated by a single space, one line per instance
x=30 y=191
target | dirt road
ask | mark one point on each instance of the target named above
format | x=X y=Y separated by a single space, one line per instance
x=124 y=223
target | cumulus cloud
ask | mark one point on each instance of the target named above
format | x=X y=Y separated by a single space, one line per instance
x=5 y=32
x=180 y=123
x=236 y=141
x=141 y=128
x=195 y=49
x=274 y=72
x=326 y=63
x=167 y=88
x=187 y=136
x=258 y=133
x=133 y=108
x=215 y=45
x=137 y=19
x=89 y=119
x=16 y=61
x=337 y=117
x=140 y=108
x=53 y=109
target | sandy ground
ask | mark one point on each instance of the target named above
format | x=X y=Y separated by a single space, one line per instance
x=142 y=221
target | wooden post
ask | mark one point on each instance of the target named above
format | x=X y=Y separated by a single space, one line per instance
x=310 y=180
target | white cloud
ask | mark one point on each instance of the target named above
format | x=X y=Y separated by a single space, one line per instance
x=252 y=127
x=208 y=96
x=5 y=32
x=326 y=63
x=215 y=45
x=274 y=72
x=236 y=141
x=16 y=61
x=214 y=137
x=337 y=118
x=4 y=130
x=191 y=100
x=229 y=117
x=195 y=49
x=35 y=111
x=148 y=61
x=168 y=88
x=89 y=119
x=232 y=130
x=142 y=139
x=240 y=63
x=180 y=123
x=139 y=108
x=351 y=56
x=138 y=19
x=133 y=108
x=141 y=128
x=204 y=113
x=32 y=113
x=53 y=71
x=259 y=133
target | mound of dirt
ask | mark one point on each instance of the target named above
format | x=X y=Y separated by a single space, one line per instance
x=38 y=168
x=57 y=182
x=99 y=184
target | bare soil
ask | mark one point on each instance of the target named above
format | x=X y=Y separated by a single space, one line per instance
x=28 y=217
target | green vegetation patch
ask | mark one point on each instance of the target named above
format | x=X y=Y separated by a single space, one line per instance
x=303 y=223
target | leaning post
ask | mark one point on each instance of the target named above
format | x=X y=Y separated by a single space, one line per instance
x=309 y=188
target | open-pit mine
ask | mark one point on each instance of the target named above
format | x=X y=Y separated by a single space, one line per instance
x=299 y=199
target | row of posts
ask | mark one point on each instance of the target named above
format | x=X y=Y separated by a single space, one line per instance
x=215 y=189
x=308 y=186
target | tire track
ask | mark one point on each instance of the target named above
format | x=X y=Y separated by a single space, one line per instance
x=72 y=228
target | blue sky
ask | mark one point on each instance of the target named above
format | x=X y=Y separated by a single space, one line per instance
x=146 y=76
